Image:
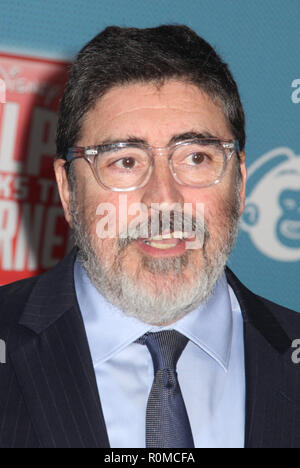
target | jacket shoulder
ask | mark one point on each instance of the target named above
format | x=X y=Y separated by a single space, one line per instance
x=13 y=298
x=29 y=305
x=288 y=319
x=267 y=316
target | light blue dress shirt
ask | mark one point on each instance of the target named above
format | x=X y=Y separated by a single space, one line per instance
x=211 y=369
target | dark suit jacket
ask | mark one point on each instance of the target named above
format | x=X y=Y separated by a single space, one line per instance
x=48 y=391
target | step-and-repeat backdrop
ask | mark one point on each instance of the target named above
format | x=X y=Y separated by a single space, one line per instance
x=33 y=233
x=261 y=43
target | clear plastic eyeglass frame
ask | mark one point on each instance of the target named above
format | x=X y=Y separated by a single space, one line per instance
x=89 y=154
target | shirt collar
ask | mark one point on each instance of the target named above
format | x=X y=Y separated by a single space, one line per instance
x=109 y=330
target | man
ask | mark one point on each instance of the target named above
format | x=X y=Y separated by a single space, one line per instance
x=141 y=336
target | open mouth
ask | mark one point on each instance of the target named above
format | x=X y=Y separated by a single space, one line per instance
x=168 y=241
x=165 y=244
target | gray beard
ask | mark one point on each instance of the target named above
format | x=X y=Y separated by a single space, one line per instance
x=164 y=303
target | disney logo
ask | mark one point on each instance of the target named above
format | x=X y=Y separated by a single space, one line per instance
x=15 y=82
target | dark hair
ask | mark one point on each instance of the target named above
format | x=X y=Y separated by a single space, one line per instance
x=118 y=56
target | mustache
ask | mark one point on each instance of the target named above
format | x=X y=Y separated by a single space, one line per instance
x=165 y=222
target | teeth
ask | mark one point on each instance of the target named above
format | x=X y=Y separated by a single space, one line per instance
x=173 y=235
x=161 y=246
x=181 y=235
x=158 y=237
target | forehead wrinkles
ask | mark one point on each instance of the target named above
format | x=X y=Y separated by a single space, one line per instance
x=159 y=111
x=177 y=97
x=171 y=106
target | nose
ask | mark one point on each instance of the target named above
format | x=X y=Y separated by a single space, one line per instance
x=162 y=187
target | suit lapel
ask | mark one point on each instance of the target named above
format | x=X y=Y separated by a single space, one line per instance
x=54 y=366
x=272 y=380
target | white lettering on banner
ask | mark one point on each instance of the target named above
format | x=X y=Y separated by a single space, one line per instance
x=21 y=188
x=9 y=212
x=46 y=186
x=23 y=222
x=5 y=185
x=14 y=186
x=33 y=233
x=2 y=91
x=8 y=139
x=39 y=147
x=296 y=93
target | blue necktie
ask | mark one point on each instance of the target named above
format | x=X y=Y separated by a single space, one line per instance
x=167 y=422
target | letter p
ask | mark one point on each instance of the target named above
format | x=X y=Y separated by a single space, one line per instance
x=2 y=91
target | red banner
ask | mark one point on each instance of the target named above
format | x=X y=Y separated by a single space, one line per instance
x=33 y=233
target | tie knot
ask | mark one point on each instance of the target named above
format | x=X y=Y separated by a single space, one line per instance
x=165 y=348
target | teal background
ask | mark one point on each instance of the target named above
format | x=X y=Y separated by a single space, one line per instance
x=259 y=39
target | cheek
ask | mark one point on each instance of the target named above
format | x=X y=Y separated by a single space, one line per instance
x=220 y=209
x=109 y=211
x=210 y=200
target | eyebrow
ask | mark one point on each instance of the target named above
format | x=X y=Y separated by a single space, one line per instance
x=175 y=138
x=190 y=136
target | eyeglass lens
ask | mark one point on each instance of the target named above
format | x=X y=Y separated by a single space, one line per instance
x=192 y=164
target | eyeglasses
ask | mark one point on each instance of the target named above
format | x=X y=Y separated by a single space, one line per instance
x=126 y=166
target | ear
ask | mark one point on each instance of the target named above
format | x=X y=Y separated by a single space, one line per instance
x=243 y=169
x=251 y=216
x=63 y=188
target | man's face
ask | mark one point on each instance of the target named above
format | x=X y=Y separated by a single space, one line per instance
x=157 y=285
